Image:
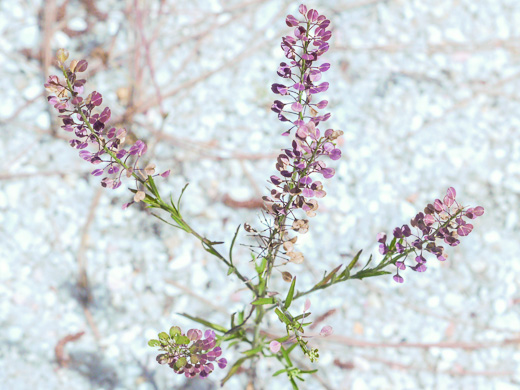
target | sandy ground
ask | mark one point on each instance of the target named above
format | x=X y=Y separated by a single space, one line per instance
x=427 y=94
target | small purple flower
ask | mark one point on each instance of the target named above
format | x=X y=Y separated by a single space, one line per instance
x=80 y=116
x=294 y=184
x=443 y=220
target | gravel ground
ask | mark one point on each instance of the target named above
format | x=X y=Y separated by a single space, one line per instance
x=427 y=94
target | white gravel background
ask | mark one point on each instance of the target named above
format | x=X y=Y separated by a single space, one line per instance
x=427 y=94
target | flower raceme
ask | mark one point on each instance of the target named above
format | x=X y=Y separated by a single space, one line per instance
x=188 y=353
x=294 y=188
x=80 y=116
x=442 y=220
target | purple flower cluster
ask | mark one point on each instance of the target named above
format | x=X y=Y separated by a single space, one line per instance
x=188 y=353
x=442 y=220
x=294 y=187
x=87 y=121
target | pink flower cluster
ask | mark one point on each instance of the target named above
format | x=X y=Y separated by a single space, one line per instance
x=441 y=220
x=83 y=117
x=294 y=188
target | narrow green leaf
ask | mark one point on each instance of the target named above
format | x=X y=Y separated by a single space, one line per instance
x=151 y=182
x=286 y=353
x=254 y=351
x=283 y=318
x=264 y=301
x=180 y=197
x=171 y=224
x=280 y=371
x=233 y=320
x=234 y=343
x=173 y=204
x=204 y=322
x=369 y=273
x=291 y=348
x=368 y=262
x=233 y=244
x=304 y=315
x=391 y=246
x=329 y=276
x=234 y=369
x=354 y=260
x=290 y=294
x=283 y=339
x=261 y=286
x=293 y=383
x=308 y=371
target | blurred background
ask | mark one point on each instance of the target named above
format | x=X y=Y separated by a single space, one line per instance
x=427 y=94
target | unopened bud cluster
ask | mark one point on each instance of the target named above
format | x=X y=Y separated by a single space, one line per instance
x=188 y=353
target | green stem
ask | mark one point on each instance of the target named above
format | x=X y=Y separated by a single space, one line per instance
x=156 y=199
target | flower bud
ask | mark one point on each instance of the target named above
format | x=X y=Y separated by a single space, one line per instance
x=62 y=55
x=72 y=65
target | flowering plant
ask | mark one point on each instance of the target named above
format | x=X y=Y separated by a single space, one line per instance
x=292 y=200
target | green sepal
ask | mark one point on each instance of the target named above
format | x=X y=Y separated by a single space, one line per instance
x=230 y=270
x=164 y=336
x=174 y=330
x=181 y=340
x=180 y=363
x=154 y=343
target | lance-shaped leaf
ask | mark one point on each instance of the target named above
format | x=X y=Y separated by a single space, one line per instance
x=353 y=262
x=204 y=322
x=264 y=301
x=290 y=294
x=233 y=244
x=234 y=369
x=282 y=317
x=327 y=278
